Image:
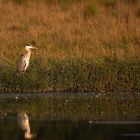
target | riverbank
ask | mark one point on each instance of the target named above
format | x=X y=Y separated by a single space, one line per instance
x=74 y=76
x=95 y=50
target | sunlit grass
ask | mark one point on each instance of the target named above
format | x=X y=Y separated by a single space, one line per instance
x=75 y=38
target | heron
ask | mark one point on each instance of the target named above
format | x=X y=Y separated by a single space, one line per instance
x=23 y=61
x=23 y=121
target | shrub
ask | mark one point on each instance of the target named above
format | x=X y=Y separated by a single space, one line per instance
x=91 y=9
x=110 y=3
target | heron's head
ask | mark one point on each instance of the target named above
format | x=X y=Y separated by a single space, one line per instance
x=29 y=46
x=22 y=116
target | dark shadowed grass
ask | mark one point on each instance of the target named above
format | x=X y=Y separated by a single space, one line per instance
x=91 y=9
x=74 y=75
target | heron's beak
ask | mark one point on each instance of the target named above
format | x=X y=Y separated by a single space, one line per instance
x=35 y=48
x=31 y=47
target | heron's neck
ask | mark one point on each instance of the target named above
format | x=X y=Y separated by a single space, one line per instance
x=28 y=52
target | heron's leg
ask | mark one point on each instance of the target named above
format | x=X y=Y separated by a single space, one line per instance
x=23 y=72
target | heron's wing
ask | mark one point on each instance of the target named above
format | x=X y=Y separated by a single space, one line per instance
x=21 y=64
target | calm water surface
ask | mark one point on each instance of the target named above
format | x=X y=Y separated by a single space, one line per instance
x=68 y=118
x=69 y=130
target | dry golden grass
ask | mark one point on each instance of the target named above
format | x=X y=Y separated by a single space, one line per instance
x=87 y=31
x=63 y=32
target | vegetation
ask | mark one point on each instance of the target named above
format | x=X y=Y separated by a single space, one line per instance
x=83 y=45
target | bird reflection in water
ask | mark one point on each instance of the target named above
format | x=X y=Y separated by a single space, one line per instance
x=23 y=121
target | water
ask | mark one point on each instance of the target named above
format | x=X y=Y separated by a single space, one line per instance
x=69 y=117
x=69 y=130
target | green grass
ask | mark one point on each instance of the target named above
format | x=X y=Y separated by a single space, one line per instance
x=74 y=75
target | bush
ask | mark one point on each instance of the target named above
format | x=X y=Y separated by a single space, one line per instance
x=110 y=3
x=91 y=9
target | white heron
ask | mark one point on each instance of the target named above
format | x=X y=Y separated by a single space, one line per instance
x=23 y=121
x=24 y=59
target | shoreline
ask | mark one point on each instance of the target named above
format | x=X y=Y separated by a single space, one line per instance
x=75 y=76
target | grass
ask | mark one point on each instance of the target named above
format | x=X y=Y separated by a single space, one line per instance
x=91 y=9
x=75 y=75
x=83 y=46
